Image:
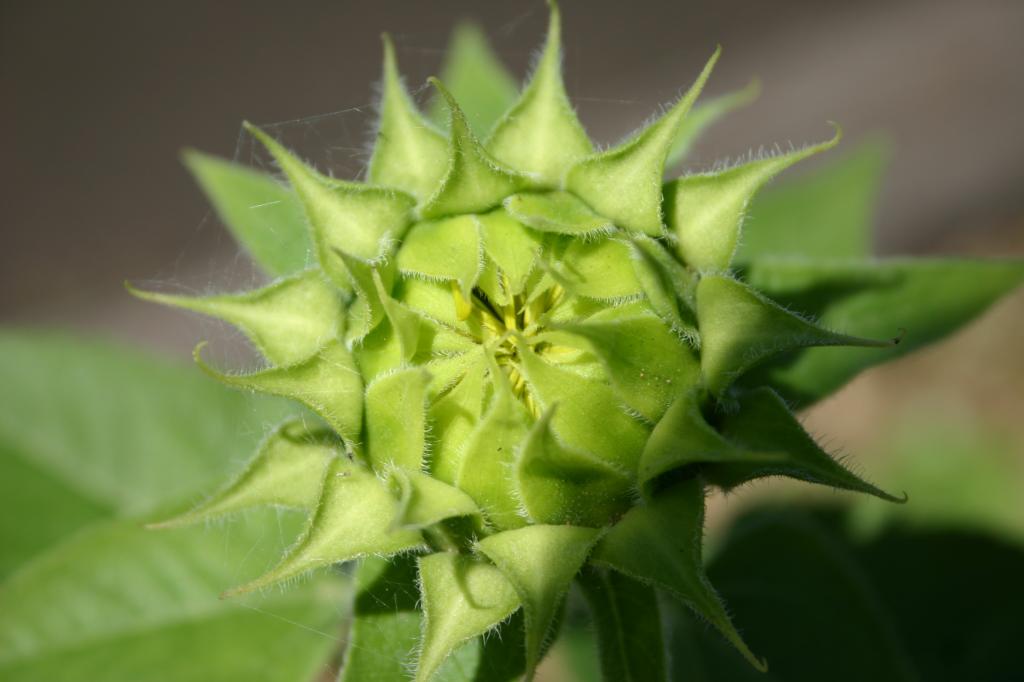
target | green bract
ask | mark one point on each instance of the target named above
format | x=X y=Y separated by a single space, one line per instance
x=530 y=360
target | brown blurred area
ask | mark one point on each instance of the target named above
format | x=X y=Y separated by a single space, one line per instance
x=99 y=99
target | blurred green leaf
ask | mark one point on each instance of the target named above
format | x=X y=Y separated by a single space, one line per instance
x=964 y=470
x=119 y=429
x=937 y=605
x=94 y=440
x=825 y=214
x=118 y=602
x=263 y=215
x=808 y=608
x=956 y=599
x=918 y=301
x=477 y=79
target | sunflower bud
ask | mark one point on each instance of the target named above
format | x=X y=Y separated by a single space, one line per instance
x=530 y=359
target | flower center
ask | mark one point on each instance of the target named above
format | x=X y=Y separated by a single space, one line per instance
x=504 y=326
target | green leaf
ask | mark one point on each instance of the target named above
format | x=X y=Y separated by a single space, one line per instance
x=447 y=249
x=660 y=544
x=386 y=624
x=559 y=485
x=559 y=212
x=125 y=434
x=763 y=422
x=287 y=471
x=978 y=577
x=116 y=602
x=350 y=218
x=288 y=321
x=812 y=608
x=540 y=135
x=624 y=183
x=705 y=211
x=354 y=518
x=583 y=402
x=540 y=562
x=600 y=269
x=704 y=115
x=329 y=384
x=409 y=154
x=929 y=299
x=396 y=405
x=477 y=80
x=81 y=470
x=473 y=182
x=625 y=613
x=739 y=328
x=645 y=361
x=825 y=214
x=485 y=471
x=262 y=215
x=462 y=598
x=512 y=247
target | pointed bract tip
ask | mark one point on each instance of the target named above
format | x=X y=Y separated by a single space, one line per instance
x=266 y=140
x=389 y=50
x=553 y=42
x=150 y=296
x=871 y=489
x=190 y=156
x=836 y=136
x=441 y=90
x=244 y=589
x=197 y=357
x=197 y=352
x=752 y=90
x=180 y=521
x=554 y=16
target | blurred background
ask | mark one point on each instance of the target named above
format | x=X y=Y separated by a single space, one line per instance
x=99 y=99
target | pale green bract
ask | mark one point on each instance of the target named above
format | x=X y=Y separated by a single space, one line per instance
x=531 y=359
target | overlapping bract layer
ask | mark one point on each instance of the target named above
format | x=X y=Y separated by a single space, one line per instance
x=527 y=354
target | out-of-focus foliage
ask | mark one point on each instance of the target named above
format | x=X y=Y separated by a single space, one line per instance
x=925 y=604
x=95 y=441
